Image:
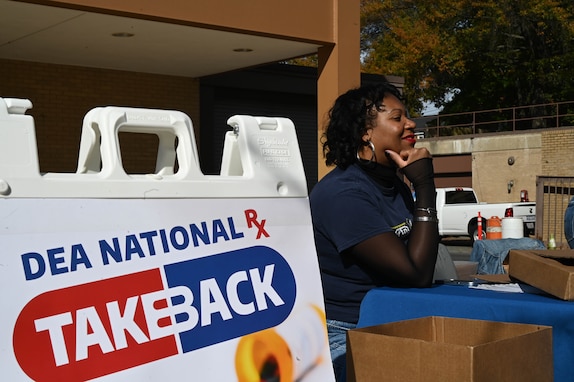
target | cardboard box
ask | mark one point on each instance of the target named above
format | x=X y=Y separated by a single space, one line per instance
x=450 y=349
x=465 y=270
x=549 y=270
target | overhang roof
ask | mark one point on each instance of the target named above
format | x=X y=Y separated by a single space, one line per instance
x=39 y=33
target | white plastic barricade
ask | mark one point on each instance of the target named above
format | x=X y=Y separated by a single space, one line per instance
x=169 y=276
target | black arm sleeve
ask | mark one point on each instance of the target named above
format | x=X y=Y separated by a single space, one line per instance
x=387 y=258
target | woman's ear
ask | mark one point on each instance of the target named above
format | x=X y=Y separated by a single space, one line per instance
x=367 y=136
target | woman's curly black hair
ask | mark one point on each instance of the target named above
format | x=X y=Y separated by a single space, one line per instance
x=352 y=114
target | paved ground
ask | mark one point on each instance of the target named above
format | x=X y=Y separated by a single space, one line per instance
x=458 y=247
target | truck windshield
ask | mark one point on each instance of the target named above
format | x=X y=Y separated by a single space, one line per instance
x=460 y=197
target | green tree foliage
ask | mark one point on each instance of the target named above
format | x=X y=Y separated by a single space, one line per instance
x=496 y=53
x=312 y=61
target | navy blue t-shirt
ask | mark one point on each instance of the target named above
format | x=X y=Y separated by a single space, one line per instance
x=348 y=207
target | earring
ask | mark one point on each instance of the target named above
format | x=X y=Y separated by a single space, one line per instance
x=373 y=155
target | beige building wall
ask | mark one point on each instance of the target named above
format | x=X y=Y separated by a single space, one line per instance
x=502 y=166
x=558 y=152
x=517 y=159
x=492 y=171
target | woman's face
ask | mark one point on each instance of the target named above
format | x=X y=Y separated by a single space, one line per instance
x=392 y=131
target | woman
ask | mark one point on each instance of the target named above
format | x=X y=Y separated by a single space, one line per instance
x=368 y=230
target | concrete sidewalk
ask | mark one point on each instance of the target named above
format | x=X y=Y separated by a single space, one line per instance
x=458 y=247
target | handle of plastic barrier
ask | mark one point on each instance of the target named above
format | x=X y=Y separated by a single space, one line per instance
x=265 y=147
x=100 y=149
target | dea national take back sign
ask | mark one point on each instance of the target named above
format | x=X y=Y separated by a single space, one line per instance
x=150 y=289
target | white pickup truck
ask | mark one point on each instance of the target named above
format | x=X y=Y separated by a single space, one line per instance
x=458 y=208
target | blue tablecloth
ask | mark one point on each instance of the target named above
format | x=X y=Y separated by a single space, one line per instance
x=384 y=305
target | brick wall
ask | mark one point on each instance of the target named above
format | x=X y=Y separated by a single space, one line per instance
x=558 y=152
x=553 y=194
x=62 y=95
